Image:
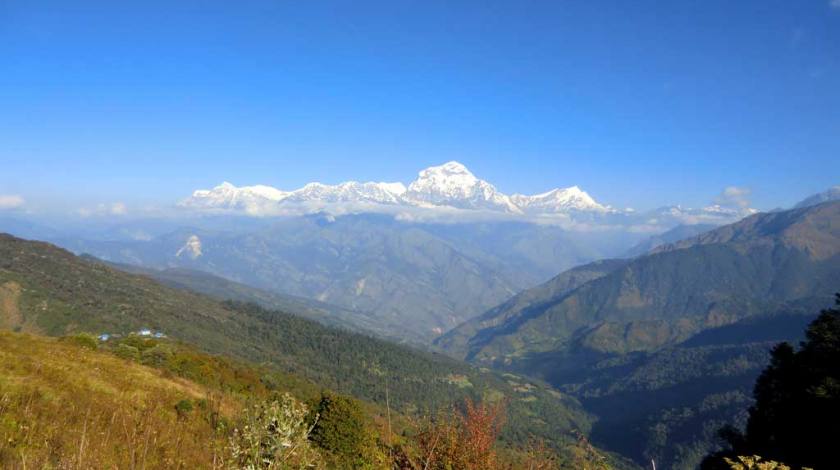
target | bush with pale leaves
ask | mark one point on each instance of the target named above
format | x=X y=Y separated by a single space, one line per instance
x=274 y=435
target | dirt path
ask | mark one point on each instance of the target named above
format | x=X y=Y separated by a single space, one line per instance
x=10 y=316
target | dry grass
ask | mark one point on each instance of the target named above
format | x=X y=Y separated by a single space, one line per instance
x=64 y=406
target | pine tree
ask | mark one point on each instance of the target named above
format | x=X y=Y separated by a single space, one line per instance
x=796 y=416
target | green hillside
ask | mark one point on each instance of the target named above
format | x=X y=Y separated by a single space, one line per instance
x=50 y=291
x=681 y=333
x=784 y=262
x=456 y=341
x=223 y=289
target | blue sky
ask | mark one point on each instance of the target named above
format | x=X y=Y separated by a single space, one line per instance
x=640 y=103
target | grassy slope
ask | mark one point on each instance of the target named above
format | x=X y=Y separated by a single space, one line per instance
x=65 y=406
x=55 y=293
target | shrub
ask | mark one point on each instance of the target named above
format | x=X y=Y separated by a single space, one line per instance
x=753 y=463
x=156 y=356
x=183 y=408
x=127 y=352
x=274 y=435
x=85 y=340
x=344 y=432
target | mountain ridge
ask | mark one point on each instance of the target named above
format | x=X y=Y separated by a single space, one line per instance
x=449 y=186
x=767 y=262
x=48 y=290
x=682 y=332
x=418 y=280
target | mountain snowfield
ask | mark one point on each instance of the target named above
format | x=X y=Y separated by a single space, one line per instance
x=448 y=185
x=447 y=189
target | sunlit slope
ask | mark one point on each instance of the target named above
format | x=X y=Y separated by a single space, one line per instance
x=65 y=406
x=50 y=291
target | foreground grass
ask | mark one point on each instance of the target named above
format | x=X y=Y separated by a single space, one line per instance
x=63 y=405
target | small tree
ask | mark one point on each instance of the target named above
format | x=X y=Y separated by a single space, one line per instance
x=344 y=432
x=462 y=440
x=274 y=435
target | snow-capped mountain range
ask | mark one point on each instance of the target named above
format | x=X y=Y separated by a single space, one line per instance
x=449 y=186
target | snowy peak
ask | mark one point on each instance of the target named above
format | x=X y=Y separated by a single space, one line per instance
x=250 y=199
x=452 y=184
x=451 y=180
x=191 y=249
x=559 y=200
x=449 y=185
x=351 y=191
x=227 y=192
x=266 y=200
x=714 y=214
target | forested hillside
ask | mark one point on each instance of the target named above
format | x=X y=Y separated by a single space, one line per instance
x=456 y=341
x=682 y=333
x=50 y=291
x=783 y=262
x=415 y=280
x=223 y=289
x=797 y=403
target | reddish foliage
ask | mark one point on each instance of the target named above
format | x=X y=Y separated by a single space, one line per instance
x=462 y=440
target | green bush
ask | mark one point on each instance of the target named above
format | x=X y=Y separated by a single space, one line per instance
x=85 y=340
x=343 y=431
x=139 y=342
x=156 y=356
x=127 y=352
x=183 y=408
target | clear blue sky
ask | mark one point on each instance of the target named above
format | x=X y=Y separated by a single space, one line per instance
x=641 y=103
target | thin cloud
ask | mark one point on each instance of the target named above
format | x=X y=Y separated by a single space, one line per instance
x=834 y=4
x=734 y=196
x=114 y=208
x=118 y=208
x=11 y=201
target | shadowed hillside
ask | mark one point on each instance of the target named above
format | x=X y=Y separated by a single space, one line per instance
x=681 y=333
x=783 y=262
